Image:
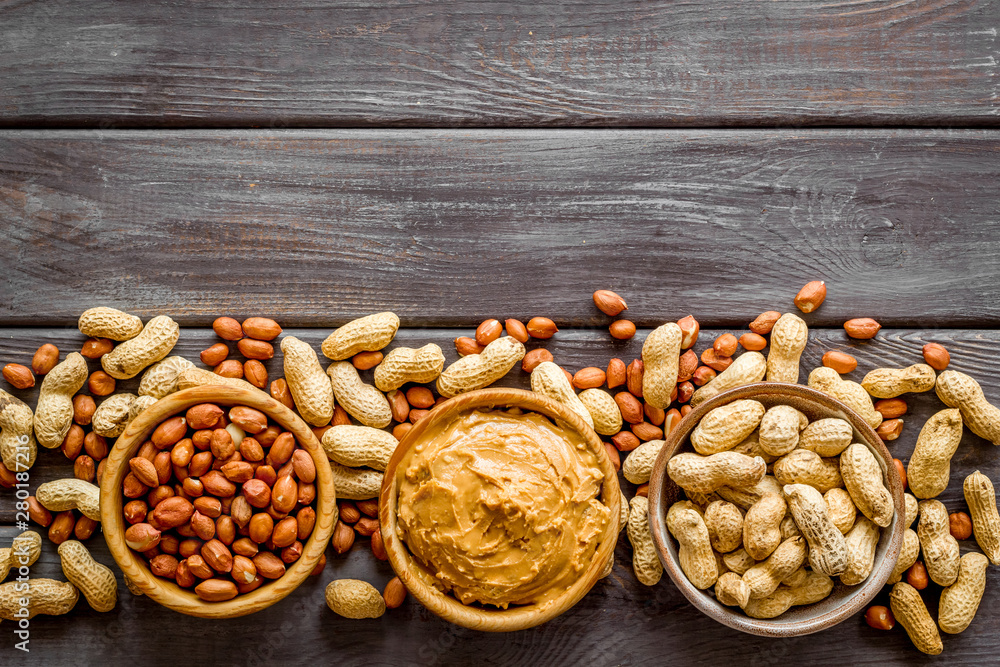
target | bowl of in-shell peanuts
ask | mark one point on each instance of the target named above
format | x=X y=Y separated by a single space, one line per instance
x=217 y=501
x=777 y=510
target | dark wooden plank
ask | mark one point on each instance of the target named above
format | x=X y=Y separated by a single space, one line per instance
x=620 y=622
x=449 y=227
x=603 y=63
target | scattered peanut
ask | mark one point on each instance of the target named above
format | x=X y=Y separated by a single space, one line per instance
x=930 y=464
x=110 y=323
x=352 y=598
x=154 y=343
x=958 y=390
x=660 y=353
x=788 y=338
x=54 y=410
x=748 y=368
x=362 y=401
x=549 y=380
x=853 y=394
x=893 y=382
x=941 y=552
x=982 y=501
x=96 y=582
x=311 y=388
x=645 y=562
x=480 y=370
x=960 y=601
x=404 y=364
x=911 y=612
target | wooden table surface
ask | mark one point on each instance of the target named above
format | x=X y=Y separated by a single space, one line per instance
x=318 y=161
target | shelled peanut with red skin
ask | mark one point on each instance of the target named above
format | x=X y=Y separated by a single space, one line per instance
x=227 y=518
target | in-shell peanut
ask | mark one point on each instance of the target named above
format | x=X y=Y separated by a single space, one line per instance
x=43 y=596
x=827 y=545
x=54 y=410
x=358 y=446
x=958 y=390
x=908 y=554
x=815 y=587
x=199 y=377
x=70 y=494
x=24 y=551
x=981 y=498
x=841 y=509
x=155 y=342
x=893 y=382
x=365 y=334
x=549 y=380
x=112 y=415
x=638 y=466
x=929 y=469
x=748 y=368
x=765 y=577
x=96 y=582
x=694 y=552
x=861 y=543
x=960 y=601
x=17 y=437
x=355 y=483
x=362 y=401
x=102 y=322
x=476 y=371
x=160 y=379
x=731 y=590
x=726 y=426
x=693 y=472
x=780 y=428
x=603 y=410
x=941 y=551
x=850 y=393
x=827 y=437
x=645 y=562
x=864 y=481
x=801 y=466
x=788 y=338
x=911 y=612
x=352 y=598
x=405 y=364
x=660 y=355
x=310 y=386
x=762 y=527
x=724 y=521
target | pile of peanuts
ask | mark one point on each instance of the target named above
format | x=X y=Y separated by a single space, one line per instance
x=220 y=504
x=367 y=398
x=768 y=542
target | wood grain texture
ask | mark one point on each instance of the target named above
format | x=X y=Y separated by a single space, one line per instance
x=619 y=622
x=447 y=228
x=598 y=63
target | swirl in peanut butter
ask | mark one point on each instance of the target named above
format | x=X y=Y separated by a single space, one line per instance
x=501 y=508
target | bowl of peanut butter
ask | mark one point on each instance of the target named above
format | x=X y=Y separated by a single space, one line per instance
x=500 y=509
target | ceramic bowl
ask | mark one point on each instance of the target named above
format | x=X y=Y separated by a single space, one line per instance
x=844 y=601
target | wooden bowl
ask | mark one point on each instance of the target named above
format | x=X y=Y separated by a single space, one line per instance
x=168 y=593
x=844 y=601
x=478 y=617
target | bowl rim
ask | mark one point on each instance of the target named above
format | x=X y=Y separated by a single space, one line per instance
x=167 y=592
x=524 y=616
x=734 y=617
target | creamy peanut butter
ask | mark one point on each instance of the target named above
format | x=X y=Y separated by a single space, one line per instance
x=501 y=507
